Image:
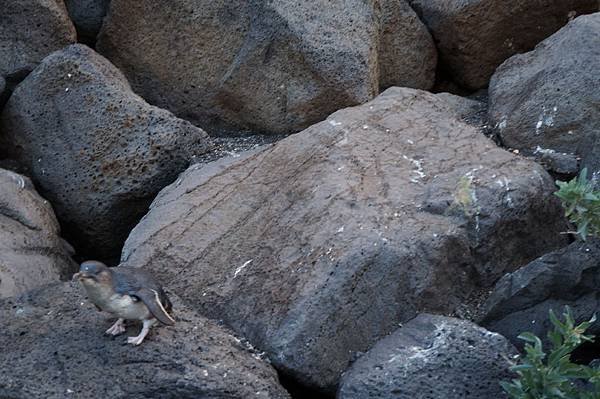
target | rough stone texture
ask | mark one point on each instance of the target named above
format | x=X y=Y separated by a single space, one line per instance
x=473 y=37
x=53 y=347
x=266 y=66
x=31 y=250
x=521 y=300
x=407 y=54
x=97 y=151
x=548 y=99
x=30 y=30
x=469 y=110
x=87 y=15
x=332 y=236
x=432 y=357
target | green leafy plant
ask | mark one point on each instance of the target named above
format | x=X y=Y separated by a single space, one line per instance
x=553 y=375
x=581 y=201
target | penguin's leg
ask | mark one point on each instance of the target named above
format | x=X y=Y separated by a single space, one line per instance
x=117 y=328
x=145 y=329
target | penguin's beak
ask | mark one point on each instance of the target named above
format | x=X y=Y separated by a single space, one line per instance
x=80 y=276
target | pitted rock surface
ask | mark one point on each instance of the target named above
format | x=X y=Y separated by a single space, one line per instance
x=96 y=150
x=432 y=357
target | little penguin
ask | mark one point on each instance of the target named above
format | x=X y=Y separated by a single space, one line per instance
x=127 y=293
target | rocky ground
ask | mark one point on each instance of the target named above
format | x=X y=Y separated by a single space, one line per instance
x=343 y=199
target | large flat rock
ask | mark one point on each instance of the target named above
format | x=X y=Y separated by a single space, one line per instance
x=319 y=245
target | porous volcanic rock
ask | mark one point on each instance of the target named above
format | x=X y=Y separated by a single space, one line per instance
x=521 y=300
x=432 y=357
x=87 y=15
x=319 y=245
x=53 y=347
x=407 y=54
x=265 y=66
x=547 y=100
x=473 y=37
x=29 y=31
x=31 y=250
x=97 y=151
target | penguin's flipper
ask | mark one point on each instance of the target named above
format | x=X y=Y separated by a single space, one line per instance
x=151 y=299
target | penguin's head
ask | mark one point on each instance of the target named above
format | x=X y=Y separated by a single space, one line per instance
x=92 y=271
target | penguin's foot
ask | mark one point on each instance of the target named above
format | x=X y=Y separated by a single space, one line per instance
x=117 y=328
x=145 y=329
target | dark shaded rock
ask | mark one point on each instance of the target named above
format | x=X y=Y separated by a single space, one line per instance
x=562 y=164
x=31 y=250
x=87 y=15
x=548 y=99
x=333 y=236
x=432 y=357
x=54 y=347
x=407 y=54
x=473 y=37
x=521 y=300
x=264 y=66
x=469 y=110
x=97 y=151
x=3 y=94
x=29 y=31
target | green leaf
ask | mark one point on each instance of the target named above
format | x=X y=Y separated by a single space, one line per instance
x=555 y=376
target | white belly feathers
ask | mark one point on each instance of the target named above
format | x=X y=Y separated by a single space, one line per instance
x=126 y=308
x=122 y=306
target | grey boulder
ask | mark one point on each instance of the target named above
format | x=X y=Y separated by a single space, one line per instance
x=473 y=37
x=521 y=300
x=333 y=236
x=97 y=151
x=29 y=31
x=407 y=54
x=432 y=357
x=53 y=347
x=32 y=253
x=546 y=101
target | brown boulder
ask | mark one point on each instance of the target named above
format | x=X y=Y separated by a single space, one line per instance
x=317 y=246
x=473 y=37
x=407 y=54
x=266 y=66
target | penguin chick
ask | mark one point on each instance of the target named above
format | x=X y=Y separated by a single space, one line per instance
x=127 y=293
